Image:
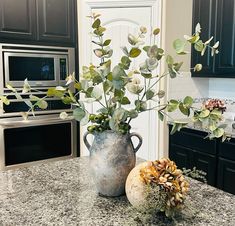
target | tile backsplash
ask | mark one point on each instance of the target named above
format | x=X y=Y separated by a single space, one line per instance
x=202 y=88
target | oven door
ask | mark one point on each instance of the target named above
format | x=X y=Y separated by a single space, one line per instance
x=41 y=70
x=42 y=139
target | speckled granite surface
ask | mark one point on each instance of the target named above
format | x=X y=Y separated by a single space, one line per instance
x=62 y=193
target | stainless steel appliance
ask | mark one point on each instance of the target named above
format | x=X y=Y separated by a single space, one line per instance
x=44 y=138
x=43 y=66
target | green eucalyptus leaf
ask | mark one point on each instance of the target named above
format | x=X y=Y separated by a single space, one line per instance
x=184 y=109
x=133 y=114
x=96 y=93
x=169 y=60
x=156 y=31
x=199 y=46
x=96 y=24
x=188 y=101
x=204 y=113
x=134 y=52
x=107 y=42
x=146 y=48
x=125 y=50
x=42 y=104
x=78 y=114
x=118 y=73
x=125 y=101
x=4 y=100
x=219 y=132
x=84 y=121
x=172 y=105
x=179 y=46
x=149 y=94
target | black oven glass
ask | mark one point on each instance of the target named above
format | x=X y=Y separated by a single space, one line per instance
x=34 y=143
x=32 y=68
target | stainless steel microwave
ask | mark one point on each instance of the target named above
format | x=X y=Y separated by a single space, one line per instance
x=43 y=66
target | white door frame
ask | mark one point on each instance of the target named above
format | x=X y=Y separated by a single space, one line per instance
x=85 y=8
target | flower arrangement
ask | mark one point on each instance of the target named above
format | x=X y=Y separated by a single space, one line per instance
x=111 y=86
x=164 y=177
x=212 y=104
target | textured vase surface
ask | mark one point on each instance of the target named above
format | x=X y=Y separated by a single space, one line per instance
x=112 y=157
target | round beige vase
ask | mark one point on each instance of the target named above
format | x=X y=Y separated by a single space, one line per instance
x=135 y=187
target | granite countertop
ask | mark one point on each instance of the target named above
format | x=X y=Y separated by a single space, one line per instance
x=62 y=193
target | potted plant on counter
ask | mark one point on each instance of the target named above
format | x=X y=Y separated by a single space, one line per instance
x=112 y=154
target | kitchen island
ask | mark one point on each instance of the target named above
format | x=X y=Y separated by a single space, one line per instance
x=62 y=193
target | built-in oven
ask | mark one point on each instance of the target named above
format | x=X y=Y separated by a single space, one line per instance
x=43 y=66
x=38 y=139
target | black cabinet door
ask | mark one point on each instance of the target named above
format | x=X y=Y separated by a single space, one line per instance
x=56 y=21
x=17 y=20
x=226 y=175
x=181 y=156
x=204 y=13
x=207 y=163
x=225 y=33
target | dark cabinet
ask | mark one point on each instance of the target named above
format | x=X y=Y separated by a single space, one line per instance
x=17 y=19
x=189 y=149
x=49 y=22
x=56 y=20
x=217 y=19
x=207 y=163
x=226 y=175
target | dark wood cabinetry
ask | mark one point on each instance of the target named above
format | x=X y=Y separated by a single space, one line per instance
x=56 y=21
x=217 y=19
x=189 y=149
x=49 y=22
x=17 y=19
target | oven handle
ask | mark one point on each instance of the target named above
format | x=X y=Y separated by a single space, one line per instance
x=33 y=122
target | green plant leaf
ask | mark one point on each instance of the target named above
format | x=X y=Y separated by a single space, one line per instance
x=107 y=42
x=84 y=121
x=219 y=132
x=118 y=73
x=184 y=109
x=149 y=94
x=133 y=114
x=96 y=24
x=179 y=46
x=188 y=101
x=199 y=46
x=204 y=114
x=4 y=100
x=169 y=60
x=96 y=93
x=135 y=52
x=172 y=105
x=125 y=101
x=156 y=31
x=78 y=114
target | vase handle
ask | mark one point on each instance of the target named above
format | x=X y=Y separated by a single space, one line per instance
x=86 y=141
x=140 y=141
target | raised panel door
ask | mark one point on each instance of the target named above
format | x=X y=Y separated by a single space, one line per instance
x=225 y=32
x=56 y=21
x=17 y=20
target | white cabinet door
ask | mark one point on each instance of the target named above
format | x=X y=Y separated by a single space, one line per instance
x=119 y=22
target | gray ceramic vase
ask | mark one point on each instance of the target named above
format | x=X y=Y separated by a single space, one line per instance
x=112 y=157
